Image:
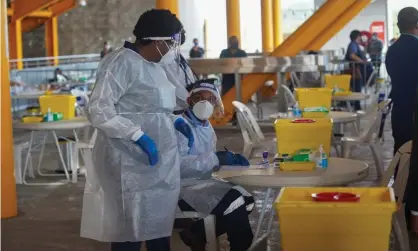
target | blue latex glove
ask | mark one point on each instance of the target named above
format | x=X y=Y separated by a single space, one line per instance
x=181 y=126
x=241 y=160
x=148 y=146
x=226 y=158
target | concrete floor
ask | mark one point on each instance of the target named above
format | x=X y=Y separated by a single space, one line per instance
x=49 y=216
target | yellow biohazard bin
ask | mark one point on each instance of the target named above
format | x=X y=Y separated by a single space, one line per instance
x=58 y=103
x=294 y=135
x=314 y=98
x=335 y=219
x=338 y=82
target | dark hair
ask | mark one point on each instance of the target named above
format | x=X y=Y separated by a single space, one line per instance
x=354 y=34
x=312 y=53
x=156 y=23
x=407 y=19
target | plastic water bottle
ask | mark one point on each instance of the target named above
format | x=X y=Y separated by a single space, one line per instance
x=297 y=113
x=265 y=162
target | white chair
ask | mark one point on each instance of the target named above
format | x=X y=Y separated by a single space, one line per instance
x=402 y=160
x=251 y=132
x=367 y=137
x=85 y=147
x=212 y=242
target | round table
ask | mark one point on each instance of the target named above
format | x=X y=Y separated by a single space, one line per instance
x=338 y=117
x=355 y=96
x=70 y=124
x=340 y=172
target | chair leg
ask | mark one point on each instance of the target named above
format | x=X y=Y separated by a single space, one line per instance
x=345 y=150
x=377 y=160
x=210 y=230
x=400 y=229
x=248 y=148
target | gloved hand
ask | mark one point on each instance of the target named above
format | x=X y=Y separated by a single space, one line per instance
x=148 y=146
x=227 y=158
x=181 y=126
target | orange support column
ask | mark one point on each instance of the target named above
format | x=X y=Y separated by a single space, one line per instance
x=51 y=39
x=277 y=23
x=8 y=186
x=15 y=42
x=171 y=5
x=267 y=25
x=233 y=19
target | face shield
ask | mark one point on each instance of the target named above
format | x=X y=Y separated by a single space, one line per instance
x=215 y=97
x=173 y=43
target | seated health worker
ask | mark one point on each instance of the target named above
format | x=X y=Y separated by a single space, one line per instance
x=133 y=186
x=199 y=191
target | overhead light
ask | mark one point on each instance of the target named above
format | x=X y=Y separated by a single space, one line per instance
x=83 y=2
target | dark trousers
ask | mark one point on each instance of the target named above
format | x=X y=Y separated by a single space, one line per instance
x=235 y=224
x=356 y=86
x=377 y=62
x=160 y=244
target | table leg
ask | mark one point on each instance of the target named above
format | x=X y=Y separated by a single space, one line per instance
x=272 y=214
x=27 y=158
x=75 y=159
x=61 y=156
x=262 y=213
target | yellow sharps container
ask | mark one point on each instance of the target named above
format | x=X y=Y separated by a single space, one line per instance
x=58 y=103
x=335 y=219
x=295 y=135
x=314 y=97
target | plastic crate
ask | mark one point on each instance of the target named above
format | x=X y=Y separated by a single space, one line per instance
x=335 y=226
x=58 y=103
x=338 y=81
x=314 y=97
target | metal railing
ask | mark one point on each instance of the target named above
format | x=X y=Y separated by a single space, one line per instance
x=49 y=61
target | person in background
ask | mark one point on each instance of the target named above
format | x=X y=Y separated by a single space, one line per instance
x=375 y=48
x=133 y=186
x=199 y=192
x=106 y=49
x=402 y=67
x=233 y=51
x=360 y=69
x=196 y=51
x=59 y=76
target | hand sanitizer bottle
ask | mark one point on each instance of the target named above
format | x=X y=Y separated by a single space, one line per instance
x=322 y=159
x=296 y=111
x=49 y=115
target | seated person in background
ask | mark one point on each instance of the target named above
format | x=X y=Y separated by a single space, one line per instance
x=59 y=76
x=200 y=192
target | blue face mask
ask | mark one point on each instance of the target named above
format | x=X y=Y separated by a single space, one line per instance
x=195 y=43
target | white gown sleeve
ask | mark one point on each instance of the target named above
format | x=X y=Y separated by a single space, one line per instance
x=196 y=166
x=111 y=85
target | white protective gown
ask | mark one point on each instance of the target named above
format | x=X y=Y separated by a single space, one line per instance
x=125 y=198
x=198 y=188
x=180 y=76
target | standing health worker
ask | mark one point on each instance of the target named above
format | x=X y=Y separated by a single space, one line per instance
x=402 y=67
x=132 y=189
